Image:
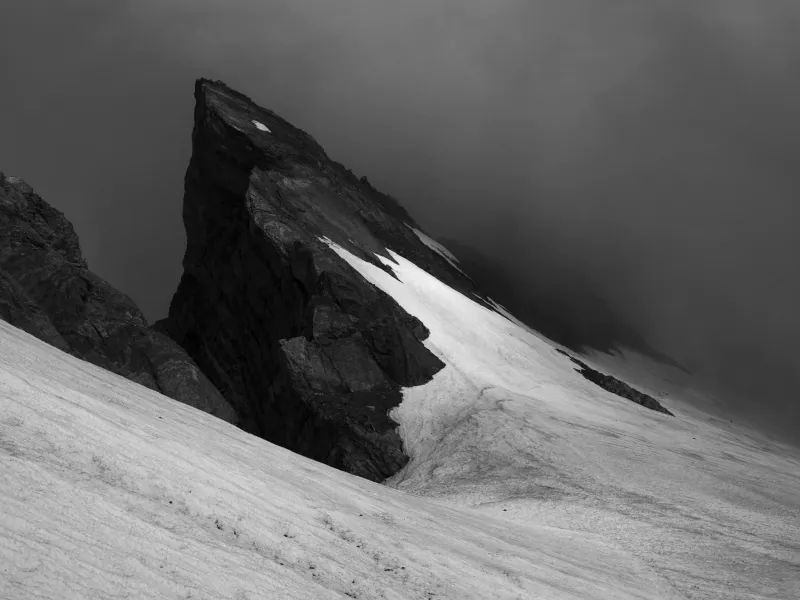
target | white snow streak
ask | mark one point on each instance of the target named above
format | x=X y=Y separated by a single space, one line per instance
x=436 y=247
x=260 y=126
x=542 y=486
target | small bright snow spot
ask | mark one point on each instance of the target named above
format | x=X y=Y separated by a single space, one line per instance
x=260 y=126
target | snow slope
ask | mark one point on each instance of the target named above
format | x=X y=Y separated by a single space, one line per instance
x=110 y=490
x=526 y=481
x=509 y=428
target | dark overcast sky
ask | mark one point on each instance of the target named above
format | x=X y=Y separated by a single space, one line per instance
x=649 y=150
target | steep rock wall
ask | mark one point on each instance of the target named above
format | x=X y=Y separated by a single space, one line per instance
x=310 y=355
x=47 y=290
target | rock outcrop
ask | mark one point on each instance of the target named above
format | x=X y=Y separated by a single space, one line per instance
x=310 y=355
x=615 y=386
x=47 y=290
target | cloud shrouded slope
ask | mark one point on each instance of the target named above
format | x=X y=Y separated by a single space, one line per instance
x=645 y=152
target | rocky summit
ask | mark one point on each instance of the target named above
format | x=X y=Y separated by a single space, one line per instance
x=270 y=328
x=310 y=355
x=47 y=290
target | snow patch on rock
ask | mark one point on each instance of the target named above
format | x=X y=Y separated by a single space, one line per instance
x=261 y=127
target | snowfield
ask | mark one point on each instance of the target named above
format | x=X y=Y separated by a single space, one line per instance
x=110 y=490
x=526 y=481
x=510 y=429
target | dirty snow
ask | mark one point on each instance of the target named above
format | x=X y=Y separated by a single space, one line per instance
x=510 y=430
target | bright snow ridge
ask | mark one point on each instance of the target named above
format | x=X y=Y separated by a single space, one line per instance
x=111 y=490
x=510 y=429
x=436 y=247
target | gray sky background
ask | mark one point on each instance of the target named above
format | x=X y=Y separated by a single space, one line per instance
x=648 y=150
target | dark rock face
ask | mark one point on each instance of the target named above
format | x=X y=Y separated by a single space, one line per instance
x=47 y=290
x=615 y=386
x=310 y=354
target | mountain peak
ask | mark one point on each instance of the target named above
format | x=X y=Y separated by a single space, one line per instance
x=274 y=138
x=310 y=354
x=335 y=327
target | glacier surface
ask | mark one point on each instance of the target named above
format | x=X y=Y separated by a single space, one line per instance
x=525 y=481
x=509 y=428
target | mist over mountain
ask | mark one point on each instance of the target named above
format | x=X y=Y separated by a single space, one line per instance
x=337 y=401
x=641 y=153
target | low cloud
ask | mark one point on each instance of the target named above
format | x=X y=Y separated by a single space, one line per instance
x=645 y=152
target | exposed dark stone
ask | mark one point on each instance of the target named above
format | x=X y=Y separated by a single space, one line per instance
x=615 y=386
x=47 y=290
x=311 y=355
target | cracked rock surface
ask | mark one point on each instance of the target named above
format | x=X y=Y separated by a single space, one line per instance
x=47 y=290
x=310 y=355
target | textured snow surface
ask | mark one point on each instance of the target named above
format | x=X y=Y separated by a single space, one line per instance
x=526 y=481
x=510 y=430
x=110 y=490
